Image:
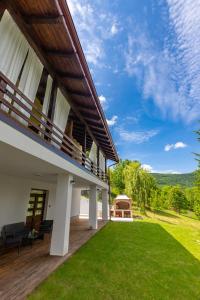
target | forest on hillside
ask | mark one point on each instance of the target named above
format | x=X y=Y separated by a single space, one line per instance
x=147 y=192
x=186 y=180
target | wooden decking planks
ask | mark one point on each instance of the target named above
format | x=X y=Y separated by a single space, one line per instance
x=19 y=275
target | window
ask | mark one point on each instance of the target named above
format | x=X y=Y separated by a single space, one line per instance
x=39 y=99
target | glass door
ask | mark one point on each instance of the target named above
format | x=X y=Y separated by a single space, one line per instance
x=36 y=207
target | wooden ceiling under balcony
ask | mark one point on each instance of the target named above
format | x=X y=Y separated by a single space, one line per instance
x=49 y=27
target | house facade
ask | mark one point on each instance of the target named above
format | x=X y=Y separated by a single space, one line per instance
x=54 y=139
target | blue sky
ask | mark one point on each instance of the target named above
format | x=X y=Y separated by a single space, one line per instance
x=144 y=56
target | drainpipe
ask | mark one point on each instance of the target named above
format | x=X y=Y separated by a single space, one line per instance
x=109 y=191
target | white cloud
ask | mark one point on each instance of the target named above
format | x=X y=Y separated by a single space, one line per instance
x=136 y=137
x=177 y=145
x=112 y=121
x=132 y=119
x=94 y=26
x=170 y=76
x=166 y=171
x=150 y=169
x=102 y=99
x=114 y=29
x=104 y=102
x=168 y=147
x=147 y=167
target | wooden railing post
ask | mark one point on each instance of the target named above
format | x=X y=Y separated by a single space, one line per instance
x=2 y=90
x=92 y=167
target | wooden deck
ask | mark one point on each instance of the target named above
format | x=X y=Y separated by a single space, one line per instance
x=19 y=275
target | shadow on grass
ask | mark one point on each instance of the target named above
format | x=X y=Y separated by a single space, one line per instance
x=137 y=260
x=193 y=217
x=166 y=214
x=165 y=221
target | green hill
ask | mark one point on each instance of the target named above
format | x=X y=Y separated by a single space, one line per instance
x=186 y=179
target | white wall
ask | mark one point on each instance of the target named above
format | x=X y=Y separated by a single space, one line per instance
x=14 y=198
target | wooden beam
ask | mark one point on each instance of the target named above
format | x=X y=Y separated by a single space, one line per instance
x=90 y=116
x=87 y=109
x=104 y=142
x=78 y=93
x=98 y=134
x=2 y=8
x=67 y=75
x=95 y=125
x=83 y=106
x=41 y=19
x=59 y=53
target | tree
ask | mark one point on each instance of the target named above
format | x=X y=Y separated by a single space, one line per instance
x=193 y=196
x=177 y=199
x=138 y=184
x=196 y=208
x=116 y=177
x=198 y=154
x=155 y=199
x=164 y=195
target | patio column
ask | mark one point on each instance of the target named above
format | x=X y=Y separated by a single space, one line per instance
x=93 y=207
x=105 y=205
x=61 y=224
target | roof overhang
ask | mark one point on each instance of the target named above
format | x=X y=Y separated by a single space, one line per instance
x=50 y=30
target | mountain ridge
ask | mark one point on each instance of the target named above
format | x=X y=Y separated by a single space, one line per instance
x=185 y=179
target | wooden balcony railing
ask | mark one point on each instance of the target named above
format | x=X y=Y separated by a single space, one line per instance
x=15 y=104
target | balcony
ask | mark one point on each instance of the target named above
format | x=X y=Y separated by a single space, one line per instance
x=17 y=106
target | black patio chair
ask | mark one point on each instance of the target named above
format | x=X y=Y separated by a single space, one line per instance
x=46 y=226
x=14 y=234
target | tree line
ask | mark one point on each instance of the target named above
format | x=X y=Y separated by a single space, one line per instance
x=130 y=178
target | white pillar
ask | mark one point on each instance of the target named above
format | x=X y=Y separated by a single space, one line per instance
x=61 y=224
x=105 y=205
x=76 y=199
x=93 y=207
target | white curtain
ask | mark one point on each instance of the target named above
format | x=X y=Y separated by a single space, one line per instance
x=29 y=81
x=93 y=153
x=47 y=95
x=101 y=161
x=13 y=49
x=62 y=109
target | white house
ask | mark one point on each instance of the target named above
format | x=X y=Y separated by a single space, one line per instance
x=54 y=139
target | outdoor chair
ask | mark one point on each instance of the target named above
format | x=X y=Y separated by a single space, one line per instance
x=45 y=227
x=14 y=234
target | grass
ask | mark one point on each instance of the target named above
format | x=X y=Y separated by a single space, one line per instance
x=156 y=258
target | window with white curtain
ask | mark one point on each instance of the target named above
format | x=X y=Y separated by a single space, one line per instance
x=29 y=82
x=13 y=49
x=93 y=153
x=102 y=161
x=61 y=113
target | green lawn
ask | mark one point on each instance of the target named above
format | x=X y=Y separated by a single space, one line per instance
x=156 y=258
